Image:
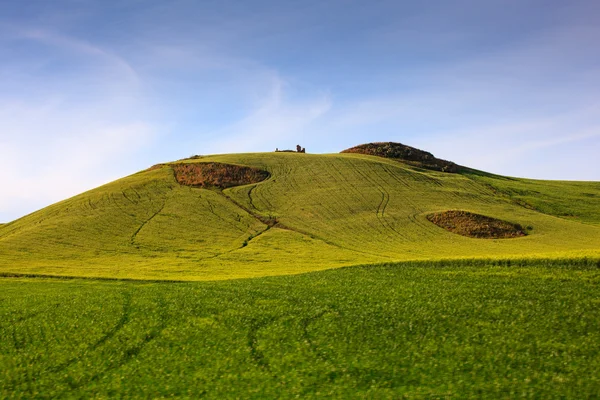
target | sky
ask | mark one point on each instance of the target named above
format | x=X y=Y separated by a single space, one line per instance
x=91 y=91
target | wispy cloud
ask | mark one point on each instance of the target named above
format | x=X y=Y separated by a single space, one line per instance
x=125 y=70
x=277 y=122
x=61 y=135
x=42 y=162
x=551 y=147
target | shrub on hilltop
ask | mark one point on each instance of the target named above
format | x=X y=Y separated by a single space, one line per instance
x=407 y=154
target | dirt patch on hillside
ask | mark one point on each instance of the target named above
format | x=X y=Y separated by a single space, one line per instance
x=407 y=154
x=218 y=175
x=475 y=225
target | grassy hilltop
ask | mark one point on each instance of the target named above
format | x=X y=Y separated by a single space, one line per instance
x=313 y=212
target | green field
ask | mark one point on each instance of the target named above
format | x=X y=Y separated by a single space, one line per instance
x=326 y=280
x=337 y=210
x=429 y=331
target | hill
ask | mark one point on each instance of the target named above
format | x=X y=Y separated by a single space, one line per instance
x=297 y=213
x=471 y=285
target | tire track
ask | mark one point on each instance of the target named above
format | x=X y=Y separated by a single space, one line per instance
x=132 y=240
x=120 y=323
x=130 y=353
x=127 y=197
x=383 y=203
x=305 y=323
x=255 y=353
x=106 y=337
x=273 y=222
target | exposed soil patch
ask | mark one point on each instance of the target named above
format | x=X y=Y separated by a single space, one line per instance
x=217 y=175
x=475 y=225
x=407 y=154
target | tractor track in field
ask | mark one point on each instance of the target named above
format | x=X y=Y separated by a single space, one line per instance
x=129 y=199
x=385 y=199
x=112 y=198
x=269 y=221
x=130 y=353
x=120 y=323
x=256 y=354
x=211 y=210
x=132 y=240
x=274 y=223
x=416 y=209
x=305 y=324
x=106 y=337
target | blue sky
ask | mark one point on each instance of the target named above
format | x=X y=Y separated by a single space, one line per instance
x=91 y=91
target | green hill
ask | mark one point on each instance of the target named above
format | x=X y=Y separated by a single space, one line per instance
x=313 y=212
x=484 y=286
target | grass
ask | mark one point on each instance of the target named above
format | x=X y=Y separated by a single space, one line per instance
x=332 y=211
x=430 y=314
x=415 y=330
x=567 y=199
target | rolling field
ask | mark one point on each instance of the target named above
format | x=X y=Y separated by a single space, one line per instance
x=332 y=211
x=387 y=331
x=140 y=288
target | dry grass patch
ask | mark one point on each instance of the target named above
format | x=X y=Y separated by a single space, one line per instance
x=475 y=225
x=215 y=174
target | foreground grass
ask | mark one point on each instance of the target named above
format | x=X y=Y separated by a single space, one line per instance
x=378 y=332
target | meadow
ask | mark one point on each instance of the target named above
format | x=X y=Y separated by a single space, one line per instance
x=416 y=330
x=327 y=279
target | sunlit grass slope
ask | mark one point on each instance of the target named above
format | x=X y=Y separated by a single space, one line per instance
x=579 y=201
x=333 y=210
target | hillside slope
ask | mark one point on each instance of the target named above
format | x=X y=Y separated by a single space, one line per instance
x=313 y=212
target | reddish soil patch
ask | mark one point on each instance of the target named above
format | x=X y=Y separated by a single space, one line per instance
x=407 y=154
x=475 y=225
x=218 y=175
